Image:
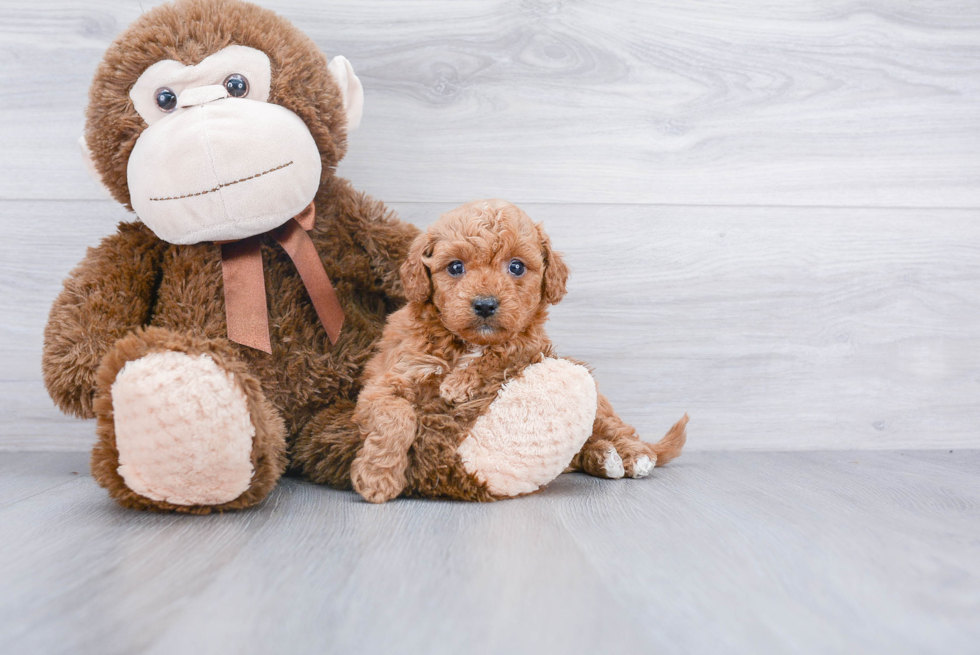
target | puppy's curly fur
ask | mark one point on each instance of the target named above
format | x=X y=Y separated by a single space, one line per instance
x=479 y=284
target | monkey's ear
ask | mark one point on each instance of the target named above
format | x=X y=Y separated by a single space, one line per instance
x=415 y=274
x=350 y=89
x=90 y=166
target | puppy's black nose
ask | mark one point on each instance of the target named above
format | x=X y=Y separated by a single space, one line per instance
x=485 y=306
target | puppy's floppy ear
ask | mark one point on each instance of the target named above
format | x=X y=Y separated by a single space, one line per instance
x=415 y=274
x=553 y=287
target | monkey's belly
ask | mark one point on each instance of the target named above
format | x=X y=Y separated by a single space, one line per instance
x=305 y=371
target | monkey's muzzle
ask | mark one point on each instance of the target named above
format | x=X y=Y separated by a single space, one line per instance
x=222 y=169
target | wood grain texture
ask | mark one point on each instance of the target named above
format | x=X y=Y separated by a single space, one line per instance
x=26 y=474
x=775 y=328
x=790 y=103
x=718 y=552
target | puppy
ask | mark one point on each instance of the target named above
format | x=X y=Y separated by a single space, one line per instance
x=479 y=284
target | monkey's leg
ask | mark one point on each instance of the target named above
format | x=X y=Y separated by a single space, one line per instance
x=183 y=426
x=327 y=445
x=524 y=440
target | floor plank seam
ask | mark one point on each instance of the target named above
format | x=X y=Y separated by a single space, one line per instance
x=4 y=506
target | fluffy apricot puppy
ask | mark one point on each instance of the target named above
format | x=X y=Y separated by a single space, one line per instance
x=465 y=397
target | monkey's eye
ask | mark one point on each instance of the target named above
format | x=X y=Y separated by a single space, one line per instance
x=237 y=86
x=166 y=100
x=516 y=267
x=456 y=268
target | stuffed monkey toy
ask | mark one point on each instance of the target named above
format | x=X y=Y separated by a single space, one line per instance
x=218 y=340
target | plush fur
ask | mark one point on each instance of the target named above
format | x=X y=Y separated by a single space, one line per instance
x=135 y=294
x=440 y=365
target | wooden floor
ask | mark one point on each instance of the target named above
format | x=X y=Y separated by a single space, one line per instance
x=720 y=552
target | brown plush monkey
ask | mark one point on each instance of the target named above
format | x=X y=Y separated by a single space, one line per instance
x=219 y=122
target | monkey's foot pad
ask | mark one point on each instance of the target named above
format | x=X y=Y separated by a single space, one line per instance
x=530 y=433
x=183 y=429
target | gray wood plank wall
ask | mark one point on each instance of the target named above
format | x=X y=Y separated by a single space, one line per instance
x=770 y=208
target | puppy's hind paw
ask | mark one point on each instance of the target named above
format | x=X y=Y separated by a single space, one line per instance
x=626 y=460
x=642 y=467
x=613 y=465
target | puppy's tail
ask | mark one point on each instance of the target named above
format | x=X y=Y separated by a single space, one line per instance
x=673 y=442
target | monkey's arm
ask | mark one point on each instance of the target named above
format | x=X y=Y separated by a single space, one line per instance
x=108 y=294
x=384 y=238
x=387 y=240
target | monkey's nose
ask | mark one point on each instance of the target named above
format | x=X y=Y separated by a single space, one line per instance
x=485 y=306
x=200 y=95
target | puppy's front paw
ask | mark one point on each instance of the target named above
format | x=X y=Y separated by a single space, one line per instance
x=377 y=483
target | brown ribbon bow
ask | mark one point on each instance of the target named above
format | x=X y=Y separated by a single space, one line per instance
x=245 y=304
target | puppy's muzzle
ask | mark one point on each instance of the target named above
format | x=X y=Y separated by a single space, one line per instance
x=485 y=306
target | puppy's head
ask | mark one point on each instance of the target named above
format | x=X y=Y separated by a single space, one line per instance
x=488 y=269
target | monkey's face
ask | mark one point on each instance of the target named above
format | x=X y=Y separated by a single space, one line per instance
x=218 y=161
x=217 y=120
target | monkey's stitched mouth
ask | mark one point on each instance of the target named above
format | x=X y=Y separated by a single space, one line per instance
x=222 y=186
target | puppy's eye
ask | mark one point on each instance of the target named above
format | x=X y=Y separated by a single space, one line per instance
x=166 y=100
x=236 y=85
x=516 y=267
x=456 y=268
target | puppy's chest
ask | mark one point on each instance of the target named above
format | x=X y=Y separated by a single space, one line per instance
x=469 y=376
x=471 y=381
x=472 y=362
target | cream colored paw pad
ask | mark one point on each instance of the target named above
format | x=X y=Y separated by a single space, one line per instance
x=183 y=430
x=534 y=427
